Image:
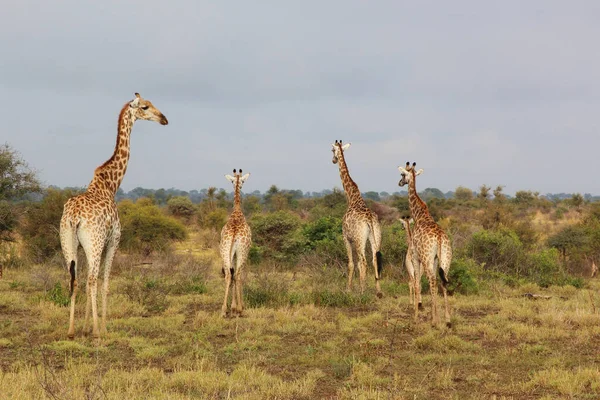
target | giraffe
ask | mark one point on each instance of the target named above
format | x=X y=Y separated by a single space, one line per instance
x=91 y=218
x=236 y=239
x=406 y=221
x=430 y=242
x=358 y=225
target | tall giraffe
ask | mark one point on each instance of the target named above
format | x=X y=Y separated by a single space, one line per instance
x=430 y=244
x=358 y=225
x=236 y=239
x=408 y=263
x=91 y=218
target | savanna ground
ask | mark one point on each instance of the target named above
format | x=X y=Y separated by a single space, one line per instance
x=302 y=337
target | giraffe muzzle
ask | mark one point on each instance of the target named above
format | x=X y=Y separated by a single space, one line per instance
x=163 y=120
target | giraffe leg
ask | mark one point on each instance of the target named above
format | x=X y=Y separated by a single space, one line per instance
x=88 y=307
x=227 y=286
x=417 y=285
x=74 y=289
x=377 y=260
x=350 y=263
x=411 y=291
x=444 y=260
x=93 y=285
x=108 y=260
x=362 y=269
x=430 y=271
x=234 y=305
x=69 y=243
x=239 y=269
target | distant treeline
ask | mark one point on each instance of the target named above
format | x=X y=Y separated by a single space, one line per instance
x=161 y=196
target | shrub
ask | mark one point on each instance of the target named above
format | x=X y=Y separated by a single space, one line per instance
x=499 y=250
x=215 y=219
x=181 y=206
x=278 y=234
x=40 y=225
x=58 y=295
x=462 y=277
x=148 y=292
x=145 y=229
x=393 y=245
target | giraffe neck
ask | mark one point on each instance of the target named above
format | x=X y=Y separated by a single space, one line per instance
x=108 y=176
x=408 y=234
x=351 y=189
x=418 y=208
x=237 y=197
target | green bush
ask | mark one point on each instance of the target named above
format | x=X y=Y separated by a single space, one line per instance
x=40 y=225
x=323 y=237
x=58 y=295
x=499 y=250
x=394 y=246
x=145 y=229
x=278 y=234
x=148 y=292
x=215 y=219
x=462 y=277
x=181 y=206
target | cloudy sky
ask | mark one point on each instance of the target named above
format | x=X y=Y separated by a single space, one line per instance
x=476 y=92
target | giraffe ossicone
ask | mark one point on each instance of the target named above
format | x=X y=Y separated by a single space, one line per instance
x=91 y=218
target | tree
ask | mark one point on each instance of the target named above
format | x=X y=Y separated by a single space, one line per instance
x=499 y=197
x=463 y=194
x=16 y=180
x=372 y=196
x=181 y=206
x=484 y=194
x=524 y=197
x=40 y=224
x=431 y=193
x=16 y=177
x=576 y=200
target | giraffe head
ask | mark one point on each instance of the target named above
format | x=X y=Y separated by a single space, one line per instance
x=408 y=173
x=144 y=109
x=338 y=150
x=406 y=221
x=237 y=179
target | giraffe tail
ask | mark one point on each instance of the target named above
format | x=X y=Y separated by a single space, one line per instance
x=72 y=271
x=443 y=276
x=379 y=263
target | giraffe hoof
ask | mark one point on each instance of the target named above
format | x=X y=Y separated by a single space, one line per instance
x=379 y=295
x=420 y=306
x=449 y=325
x=71 y=336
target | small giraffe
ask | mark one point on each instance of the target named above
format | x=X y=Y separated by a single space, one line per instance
x=358 y=225
x=406 y=221
x=430 y=243
x=91 y=218
x=236 y=239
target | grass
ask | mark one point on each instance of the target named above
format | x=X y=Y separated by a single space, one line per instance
x=300 y=338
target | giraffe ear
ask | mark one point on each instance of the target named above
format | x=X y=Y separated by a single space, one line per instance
x=411 y=220
x=135 y=102
x=243 y=178
x=345 y=147
x=402 y=170
x=419 y=172
x=229 y=178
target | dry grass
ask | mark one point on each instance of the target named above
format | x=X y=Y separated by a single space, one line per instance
x=303 y=339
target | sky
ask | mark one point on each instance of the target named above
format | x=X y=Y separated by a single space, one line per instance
x=476 y=92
